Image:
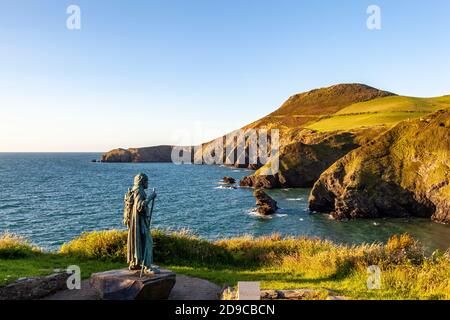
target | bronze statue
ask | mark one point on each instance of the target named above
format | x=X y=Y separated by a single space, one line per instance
x=137 y=218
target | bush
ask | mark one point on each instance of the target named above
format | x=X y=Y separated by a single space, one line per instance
x=404 y=249
x=103 y=245
x=169 y=247
x=270 y=250
x=181 y=247
x=184 y=248
x=15 y=247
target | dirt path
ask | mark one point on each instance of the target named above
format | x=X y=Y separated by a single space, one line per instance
x=186 y=288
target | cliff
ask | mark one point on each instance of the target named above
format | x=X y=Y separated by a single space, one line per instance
x=404 y=172
x=317 y=128
x=333 y=121
x=298 y=111
x=149 y=154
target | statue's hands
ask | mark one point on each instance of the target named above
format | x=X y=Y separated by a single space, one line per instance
x=126 y=222
x=152 y=195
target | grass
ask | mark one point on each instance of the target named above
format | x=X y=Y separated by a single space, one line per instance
x=278 y=263
x=398 y=104
x=352 y=121
x=386 y=111
x=19 y=258
x=44 y=263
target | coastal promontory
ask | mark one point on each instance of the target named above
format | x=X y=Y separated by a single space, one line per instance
x=404 y=172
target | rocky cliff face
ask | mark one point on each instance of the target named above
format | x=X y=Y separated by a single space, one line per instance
x=290 y=119
x=302 y=161
x=403 y=172
x=316 y=128
x=301 y=164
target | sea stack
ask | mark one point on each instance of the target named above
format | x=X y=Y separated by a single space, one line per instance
x=229 y=180
x=266 y=205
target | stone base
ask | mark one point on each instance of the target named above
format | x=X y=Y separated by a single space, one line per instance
x=127 y=285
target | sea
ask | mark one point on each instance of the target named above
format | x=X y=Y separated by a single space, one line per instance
x=51 y=198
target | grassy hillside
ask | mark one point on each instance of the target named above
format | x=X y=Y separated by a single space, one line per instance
x=278 y=263
x=386 y=111
x=308 y=120
x=349 y=122
x=404 y=172
x=347 y=107
x=308 y=107
x=306 y=123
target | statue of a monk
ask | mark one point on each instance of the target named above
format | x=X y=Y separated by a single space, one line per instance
x=137 y=218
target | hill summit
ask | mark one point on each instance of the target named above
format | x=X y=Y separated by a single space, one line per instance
x=329 y=100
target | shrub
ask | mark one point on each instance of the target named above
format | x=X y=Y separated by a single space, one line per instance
x=104 y=245
x=169 y=247
x=270 y=250
x=15 y=247
x=183 y=247
x=404 y=249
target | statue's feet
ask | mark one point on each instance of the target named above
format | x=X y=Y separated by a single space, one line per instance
x=153 y=270
x=134 y=267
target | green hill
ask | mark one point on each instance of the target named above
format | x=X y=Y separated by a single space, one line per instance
x=383 y=111
x=313 y=126
x=404 y=172
x=309 y=107
x=316 y=129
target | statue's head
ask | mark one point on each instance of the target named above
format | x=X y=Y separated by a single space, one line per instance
x=141 y=180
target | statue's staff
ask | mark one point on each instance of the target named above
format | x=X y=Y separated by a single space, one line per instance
x=149 y=221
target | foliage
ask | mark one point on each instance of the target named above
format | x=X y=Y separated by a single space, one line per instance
x=13 y=247
x=102 y=245
x=278 y=263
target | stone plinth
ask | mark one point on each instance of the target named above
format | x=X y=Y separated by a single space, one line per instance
x=123 y=284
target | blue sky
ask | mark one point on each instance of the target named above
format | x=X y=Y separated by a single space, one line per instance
x=141 y=73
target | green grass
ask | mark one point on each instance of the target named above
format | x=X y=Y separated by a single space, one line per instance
x=349 y=122
x=278 y=263
x=398 y=104
x=41 y=264
x=386 y=111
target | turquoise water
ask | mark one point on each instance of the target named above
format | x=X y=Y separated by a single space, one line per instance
x=52 y=198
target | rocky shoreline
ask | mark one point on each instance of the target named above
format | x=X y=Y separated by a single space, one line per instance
x=405 y=172
x=370 y=171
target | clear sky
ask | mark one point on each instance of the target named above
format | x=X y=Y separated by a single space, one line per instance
x=142 y=73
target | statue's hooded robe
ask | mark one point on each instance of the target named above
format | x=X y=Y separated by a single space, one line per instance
x=140 y=242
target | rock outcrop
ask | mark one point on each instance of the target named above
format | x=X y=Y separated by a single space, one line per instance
x=150 y=154
x=34 y=288
x=266 y=205
x=294 y=114
x=301 y=164
x=229 y=180
x=404 y=172
x=316 y=128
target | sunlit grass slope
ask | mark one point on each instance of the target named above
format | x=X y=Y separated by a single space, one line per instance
x=387 y=111
x=278 y=263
